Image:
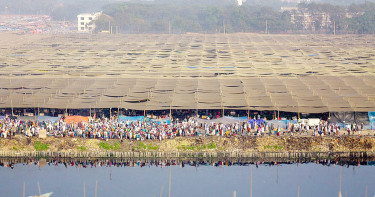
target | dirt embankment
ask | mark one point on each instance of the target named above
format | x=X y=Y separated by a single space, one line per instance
x=202 y=144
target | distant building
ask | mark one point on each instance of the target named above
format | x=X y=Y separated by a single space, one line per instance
x=289 y=9
x=307 y=20
x=85 y=21
x=240 y=2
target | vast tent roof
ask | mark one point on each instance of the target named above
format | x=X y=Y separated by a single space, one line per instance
x=305 y=73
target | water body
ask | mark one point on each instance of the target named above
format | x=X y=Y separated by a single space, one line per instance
x=192 y=179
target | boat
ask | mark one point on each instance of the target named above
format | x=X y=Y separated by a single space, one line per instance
x=43 y=195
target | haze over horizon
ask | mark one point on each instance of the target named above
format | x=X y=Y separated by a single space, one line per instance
x=49 y=7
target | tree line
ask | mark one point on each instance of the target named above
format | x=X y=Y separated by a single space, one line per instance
x=203 y=16
x=177 y=18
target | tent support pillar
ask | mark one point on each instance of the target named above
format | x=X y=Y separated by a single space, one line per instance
x=170 y=112
x=110 y=113
x=278 y=114
x=11 y=103
x=298 y=115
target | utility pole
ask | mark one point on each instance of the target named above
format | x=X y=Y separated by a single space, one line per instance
x=109 y=27
x=266 y=26
x=334 y=28
x=169 y=27
x=224 y=27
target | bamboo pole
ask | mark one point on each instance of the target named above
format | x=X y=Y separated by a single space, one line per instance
x=84 y=189
x=23 y=193
x=170 y=111
x=278 y=114
x=251 y=182
x=340 y=182
x=96 y=188
x=170 y=178
x=298 y=191
x=161 y=191
x=11 y=104
x=40 y=193
x=298 y=114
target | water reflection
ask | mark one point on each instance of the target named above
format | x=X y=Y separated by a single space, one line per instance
x=188 y=177
x=161 y=163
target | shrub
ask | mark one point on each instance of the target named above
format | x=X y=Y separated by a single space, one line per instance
x=212 y=145
x=39 y=146
x=81 y=148
x=142 y=146
x=150 y=147
x=107 y=146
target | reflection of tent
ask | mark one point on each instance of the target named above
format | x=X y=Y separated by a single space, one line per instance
x=70 y=119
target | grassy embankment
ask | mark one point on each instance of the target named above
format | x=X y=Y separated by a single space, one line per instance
x=197 y=144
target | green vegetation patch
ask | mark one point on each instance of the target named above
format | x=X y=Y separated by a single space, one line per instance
x=82 y=148
x=142 y=146
x=107 y=146
x=276 y=147
x=184 y=147
x=39 y=146
x=212 y=145
x=150 y=147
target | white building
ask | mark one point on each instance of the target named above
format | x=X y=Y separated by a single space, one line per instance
x=240 y=2
x=85 y=23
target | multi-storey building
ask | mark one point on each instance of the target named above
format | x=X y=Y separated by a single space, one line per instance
x=85 y=21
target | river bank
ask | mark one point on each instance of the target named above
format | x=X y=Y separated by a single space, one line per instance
x=184 y=146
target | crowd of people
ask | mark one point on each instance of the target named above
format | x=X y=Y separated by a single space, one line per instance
x=325 y=128
x=111 y=128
